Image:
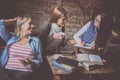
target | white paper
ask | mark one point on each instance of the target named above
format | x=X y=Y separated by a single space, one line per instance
x=86 y=47
x=95 y=58
x=82 y=57
x=55 y=56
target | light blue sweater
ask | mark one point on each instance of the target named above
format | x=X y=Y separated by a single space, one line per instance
x=9 y=38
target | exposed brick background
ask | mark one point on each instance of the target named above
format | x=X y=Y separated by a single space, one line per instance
x=40 y=11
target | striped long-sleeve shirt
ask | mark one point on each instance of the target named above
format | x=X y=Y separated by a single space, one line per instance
x=17 y=53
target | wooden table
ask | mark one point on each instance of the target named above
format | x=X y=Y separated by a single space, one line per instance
x=58 y=72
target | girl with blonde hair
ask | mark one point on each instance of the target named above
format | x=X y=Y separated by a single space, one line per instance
x=22 y=54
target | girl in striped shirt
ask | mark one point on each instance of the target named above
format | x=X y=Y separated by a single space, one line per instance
x=22 y=52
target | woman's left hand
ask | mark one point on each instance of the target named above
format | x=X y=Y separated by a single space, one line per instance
x=93 y=46
x=27 y=61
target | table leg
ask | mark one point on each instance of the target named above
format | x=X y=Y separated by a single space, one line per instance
x=57 y=77
x=91 y=77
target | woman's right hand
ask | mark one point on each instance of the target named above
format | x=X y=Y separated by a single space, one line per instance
x=57 y=36
x=71 y=41
x=82 y=43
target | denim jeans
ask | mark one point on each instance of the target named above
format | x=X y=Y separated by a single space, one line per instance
x=6 y=74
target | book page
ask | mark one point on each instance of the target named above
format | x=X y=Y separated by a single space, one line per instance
x=82 y=57
x=96 y=59
x=86 y=46
x=87 y=64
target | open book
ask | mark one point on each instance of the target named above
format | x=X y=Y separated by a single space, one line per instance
x=90 y=61
x=92 y=58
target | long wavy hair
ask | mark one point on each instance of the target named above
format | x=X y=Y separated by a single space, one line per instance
x=105 y=30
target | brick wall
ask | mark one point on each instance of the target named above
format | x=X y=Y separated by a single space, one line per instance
x=40 y=10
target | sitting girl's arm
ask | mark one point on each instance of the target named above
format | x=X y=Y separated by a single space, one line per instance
x=9 y=21
x=77 y=36
x=4 y=34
